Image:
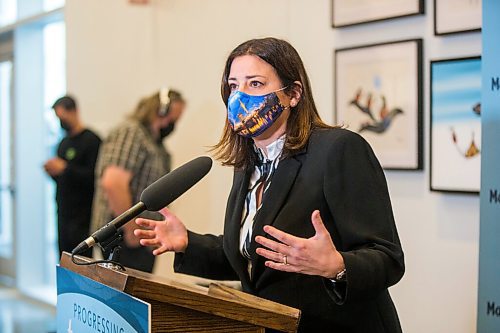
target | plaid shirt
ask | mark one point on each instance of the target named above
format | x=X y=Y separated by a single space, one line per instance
x=131 y=147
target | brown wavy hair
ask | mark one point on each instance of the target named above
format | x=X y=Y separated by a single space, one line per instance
x=236 y=150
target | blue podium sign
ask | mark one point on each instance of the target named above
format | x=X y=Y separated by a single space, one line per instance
x=488 y=308
x=84 y=305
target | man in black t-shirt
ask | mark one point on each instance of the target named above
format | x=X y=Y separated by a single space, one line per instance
x=73 y=171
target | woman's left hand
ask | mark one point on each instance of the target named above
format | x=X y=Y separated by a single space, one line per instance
x=313 y=256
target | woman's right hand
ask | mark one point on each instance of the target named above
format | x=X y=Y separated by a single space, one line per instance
x=164 y=236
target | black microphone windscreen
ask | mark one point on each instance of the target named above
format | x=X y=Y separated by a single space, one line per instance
x=171 y=186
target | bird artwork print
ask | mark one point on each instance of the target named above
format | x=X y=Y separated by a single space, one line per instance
x=376 y=123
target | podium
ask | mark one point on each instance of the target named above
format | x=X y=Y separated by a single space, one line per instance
x=180 y=307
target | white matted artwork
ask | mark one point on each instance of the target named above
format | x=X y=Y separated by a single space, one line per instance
x=455 y=16
x=455 y=154
x=378 y=94
x=351 y=12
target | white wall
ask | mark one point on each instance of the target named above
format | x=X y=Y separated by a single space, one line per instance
x=119 y=52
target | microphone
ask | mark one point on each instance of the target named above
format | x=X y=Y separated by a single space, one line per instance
x=154 y=197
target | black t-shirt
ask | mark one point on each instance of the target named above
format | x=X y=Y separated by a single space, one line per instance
x=75 y=186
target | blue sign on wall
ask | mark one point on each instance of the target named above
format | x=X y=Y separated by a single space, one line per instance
x=488 y=310
x=84 y=305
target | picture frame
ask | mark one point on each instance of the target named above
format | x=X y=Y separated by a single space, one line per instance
x=348 y=12
x=378 y=93
x=457 y=16
x=455 y=125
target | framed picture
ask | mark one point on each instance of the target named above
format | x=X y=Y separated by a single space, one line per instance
x=378 y=93
x=455 y=153
x=351 y=12
x=455 y=16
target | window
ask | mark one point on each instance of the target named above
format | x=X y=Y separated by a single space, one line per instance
x=32 y=76
x=6 y=186
x=8 y=12
x=54 y=87
x=52 y=4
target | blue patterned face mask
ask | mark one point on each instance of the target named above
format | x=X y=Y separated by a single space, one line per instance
x=250 y=116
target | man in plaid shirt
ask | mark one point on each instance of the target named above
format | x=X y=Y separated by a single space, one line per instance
x=131 y=158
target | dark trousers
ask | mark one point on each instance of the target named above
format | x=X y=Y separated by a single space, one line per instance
x=70 y=233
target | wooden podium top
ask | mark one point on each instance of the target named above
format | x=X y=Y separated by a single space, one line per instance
x=216 y=300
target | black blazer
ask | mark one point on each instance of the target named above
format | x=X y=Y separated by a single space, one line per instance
x=338 y=174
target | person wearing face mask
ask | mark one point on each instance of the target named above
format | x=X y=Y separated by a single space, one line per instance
x=73 y=171
x=131 y=158
x=308 y=221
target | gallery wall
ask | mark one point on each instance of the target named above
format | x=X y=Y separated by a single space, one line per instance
x=119 y=52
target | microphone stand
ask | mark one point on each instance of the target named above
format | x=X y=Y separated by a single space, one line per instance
x=112 y=246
